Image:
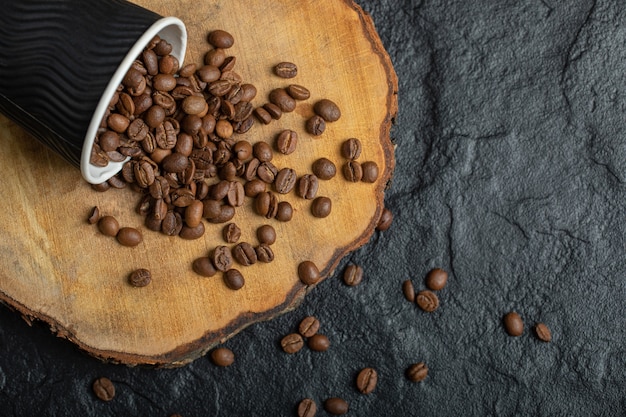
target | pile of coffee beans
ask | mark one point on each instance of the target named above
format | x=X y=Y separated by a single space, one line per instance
x=427 y=300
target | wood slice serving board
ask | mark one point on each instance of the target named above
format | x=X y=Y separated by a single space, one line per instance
x=57 y=268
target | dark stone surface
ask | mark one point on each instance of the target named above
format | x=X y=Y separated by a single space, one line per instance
x=511 y=171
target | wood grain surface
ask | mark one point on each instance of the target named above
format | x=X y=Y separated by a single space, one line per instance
x=57 y=268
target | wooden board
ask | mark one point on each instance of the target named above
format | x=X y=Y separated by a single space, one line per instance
x=57 y=268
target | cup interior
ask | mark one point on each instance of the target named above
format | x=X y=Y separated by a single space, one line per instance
x=171 y=29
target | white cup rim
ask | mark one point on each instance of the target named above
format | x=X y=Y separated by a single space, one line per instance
x=170 y=28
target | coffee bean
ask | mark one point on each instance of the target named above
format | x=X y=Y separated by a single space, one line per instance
x=222 y=258
x=164 y=82
x=287 y=141
x=370 y=172
x=285 y=180
x=226 y=214
x=245 y=254
x=203 y=266
x=236 y=194
x=513 y=324
x=254 y=187
x=324 y=169
x=224 y=129
x=328 y=110
x=273 y=110
x=234 y=279
x=283 y=100
x=307 y=186
x=118 y=123
x=427 y=301
x=318 y=343
x=108 y=225
x=231 y=233
x=222 y=357
x=262 y=151
x=193 y=213
x=292 y=343
x=385 y=220
x=243 y=150
x=267 y=172
x=194 y=105
x=351 y=149
x=266 y=234
x=366 y=380
x=221 y=39
x=298 y=92
x=104 y=389
x=336 y=406
x=315 y=125
x=321 y=207
x=353 y=275
x=129 y=236
x=436 y=279
x=307 y=408
x=192 y=233
x=309 y=326
x=266 y=204
x=264 y=253
x=215 y=57
x=543 y=332
x=284 y=213
x=308 y=273
x=110 y=141
x=408 y=290
x=154 y=116
x=140 y=278
x=417 y=372
x=248 y=92
x=94 y=215
x=286 y=70
x=263 y=115
x=352 y=171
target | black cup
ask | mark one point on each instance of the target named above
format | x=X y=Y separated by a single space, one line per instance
x=61 y=62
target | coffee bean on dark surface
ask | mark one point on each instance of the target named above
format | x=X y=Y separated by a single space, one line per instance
x=286 y=69
x=324 y=169
x=222 y=258
x=109 y=226
x=231 y=233
x=336 y=406
x=307 y=408
x=370 y=172
x=94 y=215
x=351 y=148
x=204 y=267
x=292 y=343
x=315 y=125
x=427 y=301
x=321 y=207
x=436 y=279
x=385 y=220
x=328 y=110
x=417 y=372
x=353 y=275
x=309 y=326
x=129 y=236
x=221 y=39
x=234 y=279
x=318 y=342
x=352 y=171
x=140 y=277
x=308 y=273
x=543 y=332
x=266 y=234
x=408 y=290
x=104 y=389
x=366 y=380
x=513 y=324
x=298 y=92
x=222 y=356
x=287 y=141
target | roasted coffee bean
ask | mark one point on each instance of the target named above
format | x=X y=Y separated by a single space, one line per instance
x=264 y=253
x=172 y=224
x=129 y=236
x=352 y=171
x=298 y=92
x=144 y=173
x=140 y=278
x=236 y=194
x=132 y=78
x=221 y=39
x=266 y=234
x=231 y=233
x=94 y=215
x=226 y=214
x=234 y=279
x=307 y=408
x=308 y=273
x=370 y=171
x=366 y=380
x=209 y=73
x=182 y=197
x=336 y=406
x=109 y=226
x=283 y=100
x=417 y=372
x=267 y=172
x=212 y=209
x=242 y=150
x=254 y=187
x=184 y=144
x=110 y=140
x=266 y=204
x=286 y=69
x=351 y=148
x=163 y=48
x=328 y=110
x=543 y=332
x=292 y=343
x=263 y=116
x=427 y=300
x=194 y=105
x=262 y=151
x=104 y=389
x=243 y=110
x=385 y=221
x=222 y=258
x=324 y=169
x=244 y=254
x=318 y=343
x=175 y=162
x=287 y=141
x=152 y=223
x=154 y=116
x=125 y=106
x=142 y=103
x=215 y=57
x=273 y=110
x=118 y=123
x=307 y=186
x=163 y=82
x=285 y=180
x=284 y=213
x=353 y=275
x=321 y=207
x=203 y=266
x=224 y=129
x=309 y=326
x=117 y=182
x=408 y=290
x=193 y=213
x=192 y=233
x=315 y=125
x=513 y=324
x=222 y=356
x=188 y=70
x=436 y=279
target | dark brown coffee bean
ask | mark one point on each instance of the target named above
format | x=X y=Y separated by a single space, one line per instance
x=162 y=48
x=203 y=266
x=353 y=275
x=140 y=278
x=352 y=171
x=254 y=187
x=226 y=214
x=236 y=194
x=283 y=100
x=262 y=151
x=245 y=254
x=129 y=236
x=266 y=204
x=385 y=221
x=215 y=57
x=248 y=92
x=308 y=273
x=94 y=215
x=264 y=253
x=263 y=116
x=284 y=213
x=287 y=141
x=321 y=207
x=118 y=123
x=222 y=356
x=318 y=343
x=267 y=172
x=513 y=324
x=370 y=171
x=222 y=258
x=351 y=149
x=543 y=332
x=193 y=213
x=163 y=82
x=286 y=69
x=152 y=223
x=298 y=92
x=417 y=372
x=436 y=279
x=154 y=116
x=104 y=389
x=168 y=65
x=110 y=140
x=324 y=169
x=242 y=150
x=221 y=39
x=108 y=225
x=192 y=233
x=212 y=209
x=182 y=197
x=307 y=186
x=328 y=110
x=292 y=343
x=285 y=180
x=231 y=233
x=273 y=110
x=366 y=380
x=336 y=406
x=408 y=290
x=234 y=279
x=209 y=74
x=307 y=408
x=427 y=300
x=309 y=326
x=266 y=234
x=172 y=224
x=315 y=125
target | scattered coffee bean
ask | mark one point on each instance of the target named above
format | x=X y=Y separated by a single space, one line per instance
x=273 y=110
x=263 y=115
x=298 y=92
x=370 y=172
x=543 y=332
x=324 y=169
x=129 y=236
x=436 y=279
x=366 y=380
x=193 y=213
x=308 y=273
x=266 y=234
x=352 y=171
x=307 y=186
x=222 y=356
x=315 y=125
x=292 y=343
x=231 y=233
x=262 y=151
x=284 y=212
x=221 y=39
x=203 y=266
x=283 y=100
x=109 y=226
x=408 y=290
x=286 y=70
x=385 y=220
x=321 y=207
x=353 y=275
x=351 y=149
x=513 y=324
x=140 y=278
x=285 y=180
x=104 y=389
x=336 y=406
x=244 y=254
x=417 y=372
x=222 y=258
x=318 y=343
x=427 y=300
x=309 y=326
x=234 y=279
x=264 y=253
x=287 y=141
x=307 y=408
x=192 y=233
x=328 y=110
x=94 y=215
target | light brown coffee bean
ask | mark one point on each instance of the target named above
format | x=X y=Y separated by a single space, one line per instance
x=513 y=324
x=286 y=69
x=309 y=326
x=292 y=343
x=140 y=277
x=234 y=279
x=109 y=226
x=222 y=357
x=298 y=92
x=417 y=372
x=104 y=389
x=427 y=301
x=543 y=332
x=215 y=57
x=285 y=180
x=129 y=236
x=408 y=290
x=287 y=141
x=307 y=408
x=203 y=266
x=194 y=105
x=321 y=207
x=94 y=215
x=436 y=279
x=193 y=213
x=308 y=273
x=366 y=380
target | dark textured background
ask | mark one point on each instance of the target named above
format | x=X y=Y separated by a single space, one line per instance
x=511 y=171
